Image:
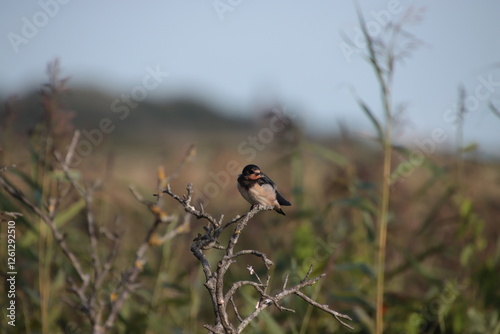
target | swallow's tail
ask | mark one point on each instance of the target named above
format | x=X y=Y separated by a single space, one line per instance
x=282 y=200
x=278 y=210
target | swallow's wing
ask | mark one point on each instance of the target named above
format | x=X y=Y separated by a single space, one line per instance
x=265 y=180
x=282 y=200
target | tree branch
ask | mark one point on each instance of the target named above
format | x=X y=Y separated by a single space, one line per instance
x=215 y=278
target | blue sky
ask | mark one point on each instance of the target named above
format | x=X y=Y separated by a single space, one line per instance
x=239 y=53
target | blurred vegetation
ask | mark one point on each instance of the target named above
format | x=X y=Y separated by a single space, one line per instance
x=442 y=252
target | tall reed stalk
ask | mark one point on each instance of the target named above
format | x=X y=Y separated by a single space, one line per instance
x=383 y=65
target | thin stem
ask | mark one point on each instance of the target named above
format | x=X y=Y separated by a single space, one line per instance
x=459 y=166
x=384 y=208
x=384 y=78
x=382 y=240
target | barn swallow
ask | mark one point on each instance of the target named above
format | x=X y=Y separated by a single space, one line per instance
x=257 y=188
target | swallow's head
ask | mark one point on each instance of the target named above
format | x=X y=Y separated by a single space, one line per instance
x=251 y=172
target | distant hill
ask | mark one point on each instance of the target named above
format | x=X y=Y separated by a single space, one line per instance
x=133 y=118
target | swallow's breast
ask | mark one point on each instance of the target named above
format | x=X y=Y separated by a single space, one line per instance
x=263 y=194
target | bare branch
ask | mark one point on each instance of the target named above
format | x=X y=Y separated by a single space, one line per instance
x=325 y=308
x=186 y=203
x=275 y=299
x=128 y=282
x=72 y=148
x=60 y=239
x=92 y=231
x=115 y=238
x=188 y=156
x=183 y=228
x=215 y=278
x=239 y=284
x=235 y=309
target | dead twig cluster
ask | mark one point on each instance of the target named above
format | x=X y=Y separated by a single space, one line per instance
x=215 y=275
x=100 y=309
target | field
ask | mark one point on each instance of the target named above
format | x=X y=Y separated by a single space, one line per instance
x=408 y=238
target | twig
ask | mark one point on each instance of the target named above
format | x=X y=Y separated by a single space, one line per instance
x=60 y=239
x=188 y=156
x=128 y=283
x=325 y=308
x=183 y=228
x=276 y=298
x=72 y=148
x=235 y=309
x=186 y=203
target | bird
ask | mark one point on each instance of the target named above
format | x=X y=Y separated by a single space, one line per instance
x=257 y=188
